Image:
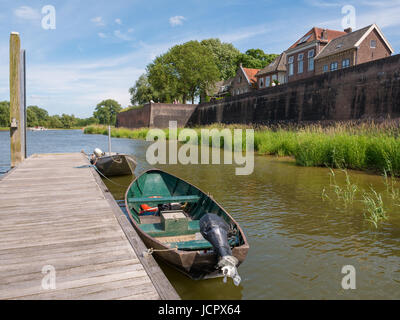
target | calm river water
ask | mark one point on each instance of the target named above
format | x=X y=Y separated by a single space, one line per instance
x=298 y=243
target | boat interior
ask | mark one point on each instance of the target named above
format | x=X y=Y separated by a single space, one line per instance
x=169 y=209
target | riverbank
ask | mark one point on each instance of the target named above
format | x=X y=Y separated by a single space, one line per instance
x=366 y=146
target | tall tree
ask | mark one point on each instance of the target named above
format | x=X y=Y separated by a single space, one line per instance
x=142 y=92
x=184 y=71
x=106 y=111
x=226 y=56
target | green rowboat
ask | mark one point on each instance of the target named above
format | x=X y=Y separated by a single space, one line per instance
x=166 y=212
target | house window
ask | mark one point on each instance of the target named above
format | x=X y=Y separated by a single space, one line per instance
x=267 y=81
x=311 y=60
x=345 y=63
x=261 y=82
x=291 y=68
x=373 y=44
x=326 y=69
x=300 y=62
x=334 y=66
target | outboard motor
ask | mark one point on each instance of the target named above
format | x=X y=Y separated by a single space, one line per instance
x=98 y=152
x=215 y=230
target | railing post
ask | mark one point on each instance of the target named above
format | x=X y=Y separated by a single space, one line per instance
x=15 y=100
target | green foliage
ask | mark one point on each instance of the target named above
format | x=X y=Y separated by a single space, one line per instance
x=106 y=111
x=256 y=58
x=37 y=116
x=142 y=92
x=226 y=56
x=183 y=72
x=4 y=114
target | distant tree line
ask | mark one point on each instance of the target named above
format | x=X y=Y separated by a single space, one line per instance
x=187 y=71
x=105 y=113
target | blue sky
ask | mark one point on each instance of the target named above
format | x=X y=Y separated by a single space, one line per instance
x=99 y=48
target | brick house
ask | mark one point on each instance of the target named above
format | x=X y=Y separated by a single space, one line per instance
x=244 y=81
x=300 y=56
x=276 y=71
x=353 y=48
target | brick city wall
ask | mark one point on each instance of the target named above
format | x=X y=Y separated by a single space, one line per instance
x=156 y=115
x=369 y=90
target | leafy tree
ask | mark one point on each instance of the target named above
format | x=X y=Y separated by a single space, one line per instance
x=31 y=118
x=225 y=55
x=106 y=111
x=256 y=58
x=37 y=116
x=183 y=72
x=67 y=121
x=142 y=92
x=55 y=122
x=4 y=114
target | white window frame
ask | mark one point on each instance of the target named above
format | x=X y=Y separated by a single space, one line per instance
x=310 y=55
x=334 y=63
x=370 y=44
x=347 y=64
x=325 y=68
x=291 y=65
x=261 y=82
x=300 y=63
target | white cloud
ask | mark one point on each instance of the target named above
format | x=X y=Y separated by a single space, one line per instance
x=176 y=21
x=27 y=13
x=122 y=36
x=118 y=21
x=102 y=35
x=98 y=21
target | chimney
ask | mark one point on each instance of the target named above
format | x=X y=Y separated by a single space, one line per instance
x=348 y=30
x=324 y=35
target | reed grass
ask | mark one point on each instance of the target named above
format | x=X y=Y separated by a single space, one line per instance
x=374 y=210
x=368 y=145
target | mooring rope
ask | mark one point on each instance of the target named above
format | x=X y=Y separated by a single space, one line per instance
x=93 y=166
x=150 y=251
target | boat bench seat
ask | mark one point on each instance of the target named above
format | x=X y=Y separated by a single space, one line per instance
x=164 y=199
x=195 y=244
x=157 y=229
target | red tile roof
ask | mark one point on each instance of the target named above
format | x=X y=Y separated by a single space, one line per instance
x=251 y=74
x=316 y=34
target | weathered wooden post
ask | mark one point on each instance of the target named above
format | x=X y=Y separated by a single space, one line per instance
x=23 y=104
x=15 y=100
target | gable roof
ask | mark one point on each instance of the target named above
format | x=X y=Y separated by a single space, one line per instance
x=279 y=64
x=350 y=40
x=250 y=74
x=316 y=34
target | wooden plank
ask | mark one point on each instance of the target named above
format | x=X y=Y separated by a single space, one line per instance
x=54 y=214
x=164 y=288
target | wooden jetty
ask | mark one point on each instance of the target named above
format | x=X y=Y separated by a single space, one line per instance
x=54 y=214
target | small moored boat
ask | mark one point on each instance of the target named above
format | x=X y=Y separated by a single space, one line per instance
x=113 y=164
x=185 y=227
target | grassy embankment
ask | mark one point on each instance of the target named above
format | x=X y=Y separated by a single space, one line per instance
x=366 y=146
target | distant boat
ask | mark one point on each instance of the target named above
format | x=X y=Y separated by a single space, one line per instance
x=113 y=164
x=38 y=129
x=185 y=227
